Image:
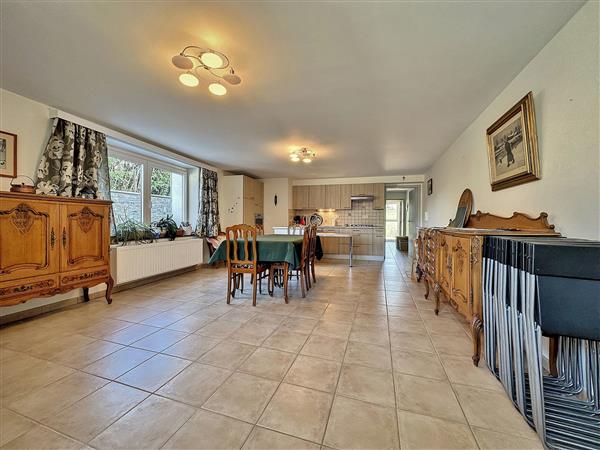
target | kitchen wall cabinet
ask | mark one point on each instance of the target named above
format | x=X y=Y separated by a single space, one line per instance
x=332 y=197
x=363 y=189
x=379 y=196
x=345 y=196
x=316 y=197
x=300 y=197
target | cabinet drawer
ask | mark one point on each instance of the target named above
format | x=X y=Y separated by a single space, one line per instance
x=17 y=291
x=87 y=277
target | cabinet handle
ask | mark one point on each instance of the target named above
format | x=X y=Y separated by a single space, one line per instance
x=52 y=238
x=64 y=237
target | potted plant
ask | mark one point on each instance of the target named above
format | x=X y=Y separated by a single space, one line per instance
x=131 y=230
x=169 y=226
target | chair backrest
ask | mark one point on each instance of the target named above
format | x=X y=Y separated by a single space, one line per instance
x=214 y=242
x=296 y=229
x=260 y=229
x=305 y=247
x=241 y=238
x=312 y=236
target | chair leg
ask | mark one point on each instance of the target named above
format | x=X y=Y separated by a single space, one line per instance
x=312 y=269
x=302 y=282
x=229 y=283
x=307 y=279
x=271 y=283
x=285 y=282
x=254 y=294
x=242 y=283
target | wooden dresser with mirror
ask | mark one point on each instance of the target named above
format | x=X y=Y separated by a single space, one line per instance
x=449 y=261
x=52 y=244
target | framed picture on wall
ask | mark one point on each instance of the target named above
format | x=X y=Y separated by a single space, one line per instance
x=430 y=186
x=512 y=146
x=8 y=154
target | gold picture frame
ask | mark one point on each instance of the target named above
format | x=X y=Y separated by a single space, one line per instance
x=512 y=146
x=8 y=154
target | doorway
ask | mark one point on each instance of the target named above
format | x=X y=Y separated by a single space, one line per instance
x=394 y=219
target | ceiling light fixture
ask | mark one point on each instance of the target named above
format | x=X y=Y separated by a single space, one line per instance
x=303 y=154
x=194 y=60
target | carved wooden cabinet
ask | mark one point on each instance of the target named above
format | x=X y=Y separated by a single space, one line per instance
x=52 y=244
x=449 y=259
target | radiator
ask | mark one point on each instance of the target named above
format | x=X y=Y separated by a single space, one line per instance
x=134 y=262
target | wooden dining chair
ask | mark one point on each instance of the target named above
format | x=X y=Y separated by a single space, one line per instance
x=301 y=272
x=312 y=254
x=260 y=229
x=296 y=229
x=242 y=238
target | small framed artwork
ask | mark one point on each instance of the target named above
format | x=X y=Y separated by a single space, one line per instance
x=8 y=155
x=430 y=186
x=512 y=146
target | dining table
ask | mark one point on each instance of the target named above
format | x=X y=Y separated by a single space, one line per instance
x=271 y=248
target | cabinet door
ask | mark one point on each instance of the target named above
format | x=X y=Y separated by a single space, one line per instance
x=84 y=236
x=332 y=196
x=330 y=245
x=248 y=187
x=461 y=274
x=444 y=261
x=316 y=197
x=29 y=232
x=300 y=197
x=379 y=193
x=345 y=196
x=379 y=245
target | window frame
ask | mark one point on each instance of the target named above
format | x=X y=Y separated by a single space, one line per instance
x=147 y=165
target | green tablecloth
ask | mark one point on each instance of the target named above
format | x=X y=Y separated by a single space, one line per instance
x=270 y=248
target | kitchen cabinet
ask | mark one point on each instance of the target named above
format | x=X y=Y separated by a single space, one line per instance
x=332 y=196
x=330 y=245
x=362 y=189
x=345 y=196
x=300 y=197
x=316 y=197
x=244 y=197
x=379 y=196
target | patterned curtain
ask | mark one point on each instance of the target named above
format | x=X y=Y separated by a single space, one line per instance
x=208 y=211
x=74 y=163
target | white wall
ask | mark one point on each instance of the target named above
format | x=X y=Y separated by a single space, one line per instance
x=276 y=215
x=30 y=121
x=564 y=81
x=231 y=200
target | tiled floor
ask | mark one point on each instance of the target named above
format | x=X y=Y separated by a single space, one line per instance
x=362 y=362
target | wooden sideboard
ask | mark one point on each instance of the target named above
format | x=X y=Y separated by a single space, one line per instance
x=449 y=259
x=51 y=244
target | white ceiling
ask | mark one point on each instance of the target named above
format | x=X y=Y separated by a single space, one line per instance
x=374 y=88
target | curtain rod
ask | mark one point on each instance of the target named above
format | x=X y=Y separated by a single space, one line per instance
x=130 y=140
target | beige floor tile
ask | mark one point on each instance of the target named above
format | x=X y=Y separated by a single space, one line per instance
x=242 y=396
x=119 y=362
x=48 y=350
x=83 y=356
x=426 y=396
x=460 y=369
x=12 y=426
x=239 y=315
x=190 y=324
x=298 y=411
x=368 y=355
x=330 y=328
x=447 y=344
x=153 y=373
x=149 y=425
x=444 y=325
x=285 y=340
x=228 y=355
x=324 y=347
x=492 y=410
x=424 y=432
x=160 y=340
x=411 y=341
x=195 y=384
x=252 y=333
x=406 y=325
x=299 y=324
x=88 y=417
x=492 y=440
x=370 y=335
x=49 y=400
x=191 y=347
x=359 y=425
x=219 y=329
x=206 y=430
x=100 y=329
x=315 y=373
x=23 y=374
x=164 y=319
x=263 y=439
x=130 y=334
x=367 y=384
x=268 y=363
x=41 y=438
x=421 y=364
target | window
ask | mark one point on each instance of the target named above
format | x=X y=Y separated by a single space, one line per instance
x=146 y=190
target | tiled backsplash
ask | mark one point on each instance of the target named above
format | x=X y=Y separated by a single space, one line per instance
x=362 y=213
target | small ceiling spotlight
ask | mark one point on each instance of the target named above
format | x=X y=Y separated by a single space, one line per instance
x=196 y=61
